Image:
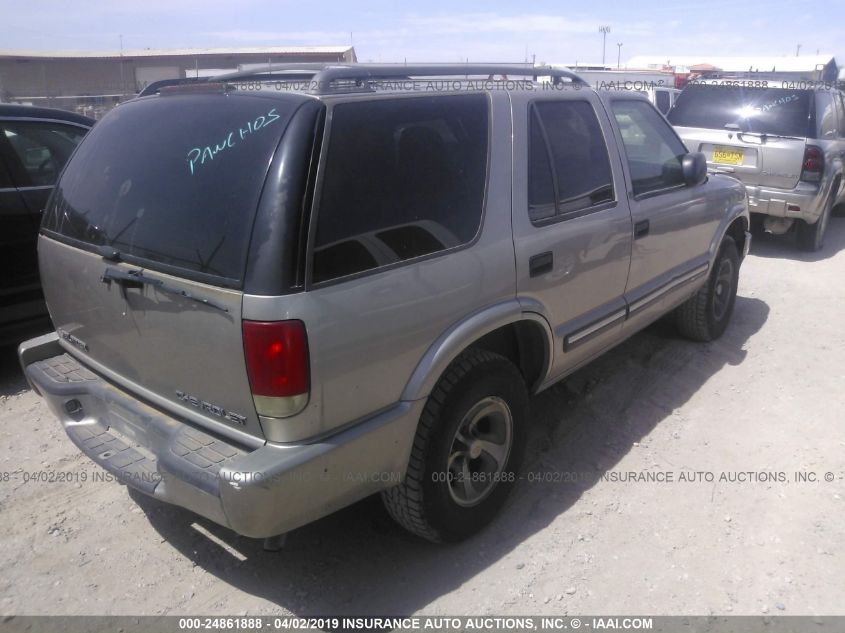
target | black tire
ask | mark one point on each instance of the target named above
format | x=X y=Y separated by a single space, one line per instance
x=704 y=316
x=430 y=504
x=811 y=236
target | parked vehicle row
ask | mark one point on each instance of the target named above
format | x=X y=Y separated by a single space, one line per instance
x=270 y=304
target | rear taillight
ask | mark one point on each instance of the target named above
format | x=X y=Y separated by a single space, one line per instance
x=813 y=166
x=276 y=354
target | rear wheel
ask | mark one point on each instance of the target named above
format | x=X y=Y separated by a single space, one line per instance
x=705 y=315
x=466 y=452
x=811 y=236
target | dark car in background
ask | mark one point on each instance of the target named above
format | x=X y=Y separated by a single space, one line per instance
x=35 y=144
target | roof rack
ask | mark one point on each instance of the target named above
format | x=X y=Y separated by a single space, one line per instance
x=156 y=86
x=324 y=77
x=297 y=73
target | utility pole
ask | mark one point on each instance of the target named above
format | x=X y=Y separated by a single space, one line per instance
x=619 y=55
x=604 y=30
x=797 y=50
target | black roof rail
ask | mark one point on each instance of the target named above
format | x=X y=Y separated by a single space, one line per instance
x=323 y=76
x=156 y=86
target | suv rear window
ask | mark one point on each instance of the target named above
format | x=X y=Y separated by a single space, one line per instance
x=173 y=180
x=404 y=178
x=761 y=110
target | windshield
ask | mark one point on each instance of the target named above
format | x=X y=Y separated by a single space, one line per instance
x=173 y=180
x=759 y=110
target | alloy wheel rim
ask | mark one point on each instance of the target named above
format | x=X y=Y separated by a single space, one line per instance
x=479 y=451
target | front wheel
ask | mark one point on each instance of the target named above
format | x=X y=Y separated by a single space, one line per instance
x=705 y=315
x=466 y=451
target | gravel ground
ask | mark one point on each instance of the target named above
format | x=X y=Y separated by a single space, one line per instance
x=767 y=398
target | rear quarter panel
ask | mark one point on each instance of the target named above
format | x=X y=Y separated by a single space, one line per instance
x=367 y=335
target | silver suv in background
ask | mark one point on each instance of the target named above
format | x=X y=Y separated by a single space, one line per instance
x=273 y=301
x=784 y=141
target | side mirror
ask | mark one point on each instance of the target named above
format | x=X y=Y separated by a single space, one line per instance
x=694 y=167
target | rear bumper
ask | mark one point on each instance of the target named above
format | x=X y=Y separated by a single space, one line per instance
x=808 y=198
x=263 y=492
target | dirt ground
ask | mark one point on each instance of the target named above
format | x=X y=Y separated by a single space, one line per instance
x=767 y=398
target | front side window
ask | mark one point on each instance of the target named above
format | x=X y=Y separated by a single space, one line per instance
x=653 y=151
x=568 y=165
x=41 y=149
x=403 y=178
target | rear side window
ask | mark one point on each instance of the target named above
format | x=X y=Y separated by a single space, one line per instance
x=840 y=106
x=653 y=151
x=568 y=166
x=173 y=181
x=403 y=178
x=662 y=100
x=827 y=115
x=756 y=110
x=40 y=149
x=5 y=178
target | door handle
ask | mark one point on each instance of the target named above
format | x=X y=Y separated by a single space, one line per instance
x=641 y=229
x=541 y=264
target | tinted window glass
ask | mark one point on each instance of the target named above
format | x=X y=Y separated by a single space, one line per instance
x=826 y=115
x=653 y=151
x=41 y=149
x=403 y=178
x=5 y=177
x=769 y=110
x=840 y=104
x=541 y=186
x=661 y=100
x=174 y=180
x=569 y=131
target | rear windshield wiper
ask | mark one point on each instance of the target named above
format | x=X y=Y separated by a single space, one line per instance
x=137 y=279
x=764 y=135
x=733 y=127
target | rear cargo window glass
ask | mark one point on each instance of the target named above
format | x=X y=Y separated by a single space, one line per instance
x=757 y=110
x=173 y=180
x=570 y=133
x=403 y=178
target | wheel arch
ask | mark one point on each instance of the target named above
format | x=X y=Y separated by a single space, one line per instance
x=736 y=224
x=524 y=338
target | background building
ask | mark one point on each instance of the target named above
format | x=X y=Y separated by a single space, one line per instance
x=93 y=82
